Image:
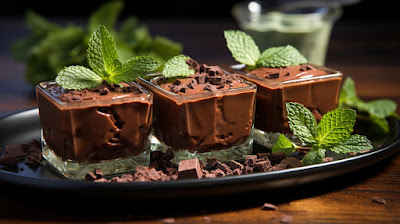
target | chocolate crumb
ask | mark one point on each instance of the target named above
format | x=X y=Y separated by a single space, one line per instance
x=379 y=200
x=291 y=162
x=212 y=161
x=286 y=219
x=269 y=206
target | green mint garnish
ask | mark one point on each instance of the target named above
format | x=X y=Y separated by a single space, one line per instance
x=332 y=133
x=78 y=77
x=376 y=110
x=281 y=57
x=245 y=51
x=103 y=60
x=177 y=67
x=242 y=47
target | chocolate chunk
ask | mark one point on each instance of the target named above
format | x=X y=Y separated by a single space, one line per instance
x=210 y=175
x=189 y=169
x=153 y=174
x=379 y=200
x=262 y=166
x=263 y=156
x=269 y=206
x=90 y=176
x=225 y=168
x=250 y=160
x=292 y=162
x=277 y=157
x=216 y=80
x=327 y=159
x=273 y=75
x=235 y=165
x=218 y=172
x=286 y=219
x=237 y=171
x=212 y=161
x=210 y=87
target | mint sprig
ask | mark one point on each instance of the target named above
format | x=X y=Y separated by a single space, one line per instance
x=245 y=51
x=375 y=111
x=332 y=133
x=177 y=67
x=105 y=65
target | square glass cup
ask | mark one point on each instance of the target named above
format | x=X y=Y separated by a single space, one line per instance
x=110 y=133
x=320 y=94
x=208 y=124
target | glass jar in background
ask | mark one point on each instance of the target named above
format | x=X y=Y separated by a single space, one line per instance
x=306 y=25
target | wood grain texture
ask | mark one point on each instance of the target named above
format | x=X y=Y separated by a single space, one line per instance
x=368 y=52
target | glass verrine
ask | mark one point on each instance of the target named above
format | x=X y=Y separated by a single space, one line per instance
x=109 y=131
x=316 y=87
x=208 y=124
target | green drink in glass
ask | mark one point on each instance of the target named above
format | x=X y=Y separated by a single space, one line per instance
x=306 y=27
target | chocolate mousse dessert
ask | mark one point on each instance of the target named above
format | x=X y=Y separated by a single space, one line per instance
x=282 y=75
x=97 y=117
x=315 y=87
x=92 y=126
x=205 y=112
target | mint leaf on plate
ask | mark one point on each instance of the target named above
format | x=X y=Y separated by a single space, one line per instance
x=377 y=110
x=242 y=47
x=282 y=56
x=78 y=77
x=283 y=144
x=177 y=66
x=315 y=155
x=335 y=126
x=301 y=122
x=355 y=143
x=332 y=133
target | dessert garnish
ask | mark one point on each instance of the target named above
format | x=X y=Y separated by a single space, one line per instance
x=105 y=65
x=332 y=133
x=375 y=111
x=245 y=51
x=178 y=67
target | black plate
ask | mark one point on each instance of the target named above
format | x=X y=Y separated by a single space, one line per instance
x=24 y=126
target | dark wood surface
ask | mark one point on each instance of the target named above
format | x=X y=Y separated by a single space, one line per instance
x=365 y=50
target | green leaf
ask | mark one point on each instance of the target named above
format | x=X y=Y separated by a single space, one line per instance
x=135 y=67
x=102 y=53
x=379 y=125
x=78 y=77
x=165 y=47
x=38 y=24
x=282 y=56
x=301 y=122
x=380 y=108
x=177 y=66
x=283 y=144
x=354 y=143
x=242 y=47
x=106 y=15
x=314 y=156
x=335 y=127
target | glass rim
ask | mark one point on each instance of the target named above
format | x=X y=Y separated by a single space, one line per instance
x=210 y=94
x=332 y=73
x=124 y=98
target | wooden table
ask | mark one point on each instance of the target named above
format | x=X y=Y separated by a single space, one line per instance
x=365 y=50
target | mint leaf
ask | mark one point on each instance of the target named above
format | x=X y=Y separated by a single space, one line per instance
x=335 y=127
x=102 y=53
x=177 y=66
x=135 y=67
x=315 y=155
x=106 y=15
x=282 y=56
x=78 y=77
x=283 y=144
x=355 y=143
x=301 y=122
x=242 y=47
x=380 y=108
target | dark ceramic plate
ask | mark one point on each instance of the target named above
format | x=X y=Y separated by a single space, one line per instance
x=24 y=126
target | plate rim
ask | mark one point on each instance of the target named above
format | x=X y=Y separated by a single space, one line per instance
x=361 y=161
